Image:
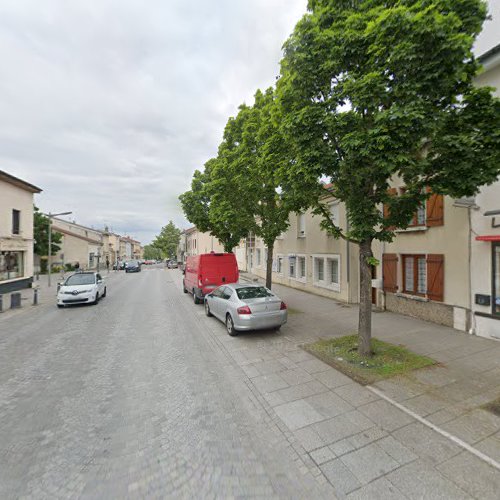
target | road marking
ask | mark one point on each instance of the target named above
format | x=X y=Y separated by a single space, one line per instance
x=444 y=433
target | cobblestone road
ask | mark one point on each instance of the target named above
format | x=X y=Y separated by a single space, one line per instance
x=135 y=398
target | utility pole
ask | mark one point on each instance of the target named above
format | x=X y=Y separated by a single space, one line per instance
x=49 y=261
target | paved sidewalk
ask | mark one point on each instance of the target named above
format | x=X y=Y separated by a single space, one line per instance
x=363 y=445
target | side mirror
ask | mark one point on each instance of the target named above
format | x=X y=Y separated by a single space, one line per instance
x=99 y=281
x=183 y=271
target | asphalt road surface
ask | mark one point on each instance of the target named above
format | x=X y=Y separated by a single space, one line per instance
x=133 y=398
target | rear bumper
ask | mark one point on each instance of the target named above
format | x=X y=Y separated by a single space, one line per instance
x=247 y=322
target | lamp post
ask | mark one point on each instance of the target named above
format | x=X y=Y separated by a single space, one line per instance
x=49 y=215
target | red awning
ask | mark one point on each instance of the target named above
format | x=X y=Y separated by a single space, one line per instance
x=490 y=237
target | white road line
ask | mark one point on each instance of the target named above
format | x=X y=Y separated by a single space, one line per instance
x=451 y=437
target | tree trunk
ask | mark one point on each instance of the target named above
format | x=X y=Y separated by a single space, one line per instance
x=269 y=267
x=365 y=301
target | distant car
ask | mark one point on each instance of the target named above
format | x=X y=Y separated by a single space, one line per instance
x=244 y=307
x=81 y=288
x=172 y=264
x=132 y=266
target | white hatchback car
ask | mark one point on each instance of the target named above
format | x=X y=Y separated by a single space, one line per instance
x=81 y=288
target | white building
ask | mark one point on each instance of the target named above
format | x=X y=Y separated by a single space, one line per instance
x=16 y=233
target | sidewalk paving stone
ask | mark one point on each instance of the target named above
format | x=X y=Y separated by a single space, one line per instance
x=296 y=392
x=296 y=376
x=328 y=404
x=419 y=480
x=473 y=475
x=380 y=489
x=342 y=426
x=385 y=415
x=369 y=463
x=355 y=394
x=474 y=426
x=342 y=479
x=298 y=414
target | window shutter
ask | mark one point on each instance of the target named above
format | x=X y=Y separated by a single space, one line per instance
x=387 y=212
x=435 y=277
x=435 y=210
x=390 y=272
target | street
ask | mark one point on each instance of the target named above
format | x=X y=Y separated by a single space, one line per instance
x=143 y=396
x=132 y=398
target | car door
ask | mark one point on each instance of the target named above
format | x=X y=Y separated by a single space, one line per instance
x=215 y=301
x=100 y=284
x=225 y=301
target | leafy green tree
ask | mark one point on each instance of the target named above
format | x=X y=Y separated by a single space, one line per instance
x=168 y=240
x=378 y=90
x=218 y=202
x=153 y=253
x=265 y=156
x=41 y=234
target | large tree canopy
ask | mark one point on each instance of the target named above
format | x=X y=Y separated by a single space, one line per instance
x=167 y=241
x=41 y=235
x=375 y=90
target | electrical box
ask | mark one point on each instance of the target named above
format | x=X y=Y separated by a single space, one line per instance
x=483 y=300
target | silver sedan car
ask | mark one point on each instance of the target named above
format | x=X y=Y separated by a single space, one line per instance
x=246 y=307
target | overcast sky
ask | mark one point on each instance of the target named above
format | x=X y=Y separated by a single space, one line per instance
x=110 y=105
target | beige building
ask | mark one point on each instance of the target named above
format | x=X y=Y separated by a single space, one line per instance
x=307 y=258
x=111 y=246
x=195 y=243
x=16 y=233
x=80 y=245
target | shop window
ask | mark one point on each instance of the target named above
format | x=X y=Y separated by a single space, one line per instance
x=496 y=278
x=11 y=265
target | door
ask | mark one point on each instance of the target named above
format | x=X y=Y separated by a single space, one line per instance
x=374 y=290
x=215 y=302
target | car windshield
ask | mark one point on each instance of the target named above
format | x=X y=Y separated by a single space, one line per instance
x=80 y=279
x=253 y=292
x=132 y=263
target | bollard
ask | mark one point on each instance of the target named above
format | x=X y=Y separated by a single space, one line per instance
x=1 y=303
x=15 y=300
x=35 y=296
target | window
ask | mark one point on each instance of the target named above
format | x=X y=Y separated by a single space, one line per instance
x=91 y=259
x=292 y=266
x=302 y=267
x=301 y=225
x=496 y=278
x=319 y=269
x=279 y=267
x=333 y=272
x=11 y=265
x=414 y=274
x=258 y=256
x=16 y=221
x=254 y=292
x=334 y=213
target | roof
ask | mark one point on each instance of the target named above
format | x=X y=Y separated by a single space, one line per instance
x=489 y=53
x=78 y=225
x=79 y=236
x=15 y=181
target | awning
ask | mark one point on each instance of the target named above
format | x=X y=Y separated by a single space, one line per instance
x=490 y=237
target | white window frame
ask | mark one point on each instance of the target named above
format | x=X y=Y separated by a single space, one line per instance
x=325 y=283
x=289 y=259
x=258 y=257
x=334 y=209
x=301 y=225
x=302 y=279
x=277 y=269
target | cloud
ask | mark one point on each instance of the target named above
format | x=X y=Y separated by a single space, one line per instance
x=110 y=105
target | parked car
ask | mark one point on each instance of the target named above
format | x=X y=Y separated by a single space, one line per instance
x=172 y=264
x=203 y=273
x=132 y=266
x=244 y=307
x=81 y=288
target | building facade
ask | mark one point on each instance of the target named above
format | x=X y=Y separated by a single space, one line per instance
x=80 y=245
x=195 y=243
x=16 y=233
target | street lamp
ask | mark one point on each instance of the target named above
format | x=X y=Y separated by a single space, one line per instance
x=49 y=215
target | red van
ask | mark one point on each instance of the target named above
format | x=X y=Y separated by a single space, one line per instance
x=207 y=271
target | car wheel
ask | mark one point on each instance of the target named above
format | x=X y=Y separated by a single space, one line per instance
x=96 y=301
x=184 y=287
x=105 y=292
x=207 y=309
x=196 y=300
x=230 y=326
x=60 y=306
x=276 y=328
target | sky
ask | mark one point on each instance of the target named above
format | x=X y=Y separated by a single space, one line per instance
x=110 y=106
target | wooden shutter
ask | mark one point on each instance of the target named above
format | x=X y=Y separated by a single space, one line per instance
x=435 y=277
x=387 y=212
x=390 y=272
x=435 y=210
